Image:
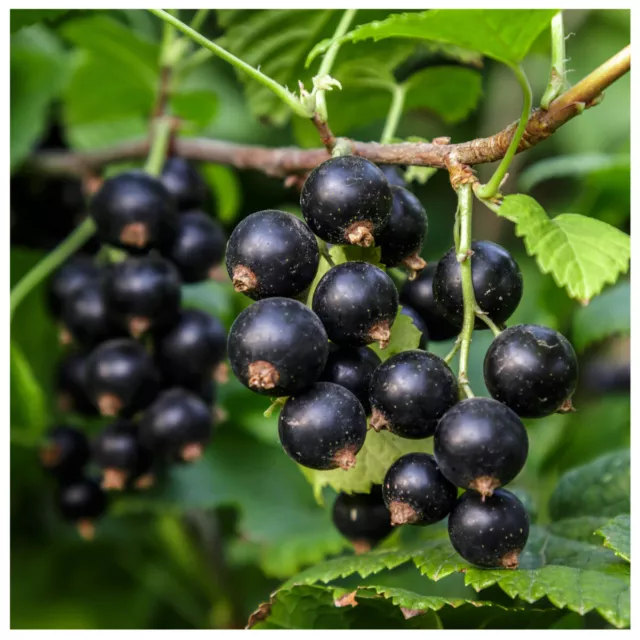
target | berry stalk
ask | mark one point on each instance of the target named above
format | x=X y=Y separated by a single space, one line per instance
x=395 y=113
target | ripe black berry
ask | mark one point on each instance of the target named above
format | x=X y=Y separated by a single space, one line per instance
x=393 y=175
x=416 y=492
x=272 y=253
x=66 y=452
x=362 y=518
x=352 y=369
x=134 y=210
x=323 y=428
x=277 y=347
x=419 y=324
x=410 y=392
x=480 y=444
x=182 y=180
x=198 y=246
x=74 y=275
x=346 y=200
x=489 y=532
x=402 y=237
x=144 y=293
x=121 y=377
x=357 y=304
x=177 y=425
x=71 y=385
x=82 y=501
x=531 y=369
x=497 y=283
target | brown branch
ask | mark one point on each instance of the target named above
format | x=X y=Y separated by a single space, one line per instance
x=326 y=135
x=284 y=161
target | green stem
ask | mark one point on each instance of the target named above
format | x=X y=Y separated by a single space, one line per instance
x=284 y=94
x=495 y=329
x=395 y=113
x=557 y=75
x=50 y=262
x=276 y=405
x=161 y=135
x=490 y=189
x=329 y=59
x=456 y=347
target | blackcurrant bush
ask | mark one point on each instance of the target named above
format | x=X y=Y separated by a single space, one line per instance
x=362 y=518
x=198 y=246
x=82 y=501
x=489 y=532
x=346 y=200
x=418 y=295
x=73 y=276
x=357 y=304
x=415 y=491
x=121 y=377
x=418 y=323
x=410 y=392
x=272 y=253
x=323 y=427
x=177 y=425
x=183 y=181
x=71 y=381
x=531 y=369
x=144 y=293
x=65 y=452
x=277 y=347
x=497 y=283
x=480 y=444
x=393 y=175
x=352 y=369
x=402 y=237
x=134 y=210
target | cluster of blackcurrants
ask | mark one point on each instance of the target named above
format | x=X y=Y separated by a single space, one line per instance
x=136 y=356
x=318 y=358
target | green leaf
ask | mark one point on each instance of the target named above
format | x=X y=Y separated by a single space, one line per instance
x=608 y=315
x=404 y=336
x=582 y=254
x=617 y=536
x=196 y=108
x=227 y=190
x=28 y=401
x=21 y=18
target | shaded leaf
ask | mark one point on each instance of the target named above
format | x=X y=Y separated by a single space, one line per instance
x=28 y=402
x=617 y=536
x=226 y=188
x=21 y=18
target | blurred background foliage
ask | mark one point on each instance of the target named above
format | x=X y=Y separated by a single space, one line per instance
x=210 y=544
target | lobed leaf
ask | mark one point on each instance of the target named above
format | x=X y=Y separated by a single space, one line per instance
x=617 y=536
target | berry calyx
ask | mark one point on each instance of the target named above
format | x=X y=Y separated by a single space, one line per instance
x=410 y=392
x=66 y=452
x=415 y=491
x=71 y=385
x=489 y=532
x=82 y=501
x=277 y=347
x=419 y=324
x=531 y=369
x=357 y=304
x=272 y=253
x=362 y=518
x=323 y=427
x=73 y=276
x=183 y=181
x=497 y=283
x=480 y=444
x=346 y=200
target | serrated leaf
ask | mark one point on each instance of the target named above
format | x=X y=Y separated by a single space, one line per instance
x=582 y=254
x=227 y=190
x=617 y=536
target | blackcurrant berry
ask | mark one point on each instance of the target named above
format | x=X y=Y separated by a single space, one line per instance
x=198 y=246
x=480 y=444
x=121 y=377
x=272 y=253
x=323 y=427
x=416 y=492
x=419 y=324
x=346 y=200
x=352 y=369
x=71 y=381
x=357 y=304
x=531 y=369
x=183 y=181
x=73 y=276
x=277 y=347
x=497 y=283
x=402 y=237
x=82 y=501
x=66 y=452
x=418 y=294
x=134 y=210
x=362 y=518
x=177 y=425
x=489 y=532
x=144 y=293
x=410 y=392
x=393 y=175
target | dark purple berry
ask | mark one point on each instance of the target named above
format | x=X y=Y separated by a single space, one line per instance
x=73 y=276
x=393 y=174
x=183 y=181
x=323 y=427
x=346 y=200
x=65 y=452
x=272 y=253
x=82 y=501
x=71 y=381
x=418 y=323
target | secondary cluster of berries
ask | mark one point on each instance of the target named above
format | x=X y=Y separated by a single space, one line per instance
x=136 y=357
x=318 y=358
